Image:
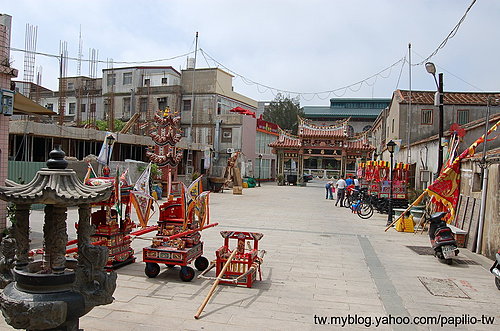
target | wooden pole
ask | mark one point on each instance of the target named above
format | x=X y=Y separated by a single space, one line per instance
x=417 y=200
x=211 y=292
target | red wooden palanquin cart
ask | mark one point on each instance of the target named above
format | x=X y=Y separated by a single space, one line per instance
x=112 y=230
x=243 y=268
x=178 y=240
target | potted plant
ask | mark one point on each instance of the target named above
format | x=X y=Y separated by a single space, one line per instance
x=280 y=178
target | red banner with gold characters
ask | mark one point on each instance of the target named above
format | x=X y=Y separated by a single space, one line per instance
x=446 y=188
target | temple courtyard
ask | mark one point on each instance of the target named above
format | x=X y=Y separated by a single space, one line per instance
x=325 y=268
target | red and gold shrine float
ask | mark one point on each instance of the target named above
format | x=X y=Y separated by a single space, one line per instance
x=375 y=177
x=184 y=215
x=113 y=229
x=178 y=241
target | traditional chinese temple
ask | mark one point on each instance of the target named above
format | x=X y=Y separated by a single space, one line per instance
x=321 y=150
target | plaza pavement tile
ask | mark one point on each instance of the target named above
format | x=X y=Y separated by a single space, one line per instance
x=321 y=260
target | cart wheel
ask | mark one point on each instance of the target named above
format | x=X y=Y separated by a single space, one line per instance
x=186 y=273
x=201 y=263
x=152 y=269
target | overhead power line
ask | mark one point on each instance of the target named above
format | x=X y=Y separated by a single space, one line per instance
x=448 y=37
x=102 y=61
x=354 y=87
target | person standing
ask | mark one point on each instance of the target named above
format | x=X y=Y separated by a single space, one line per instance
x=340 y=185
x=328 y=187
x=349 y=181
x=356 y=183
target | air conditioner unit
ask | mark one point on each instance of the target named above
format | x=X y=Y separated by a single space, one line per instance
x=425 y=176
x=230 y=150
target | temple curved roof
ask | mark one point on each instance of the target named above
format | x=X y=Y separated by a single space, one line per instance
x=309 y=130
x=359 y=143
x=286 y=140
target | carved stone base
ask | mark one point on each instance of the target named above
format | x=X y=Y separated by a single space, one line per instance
x=46 y=304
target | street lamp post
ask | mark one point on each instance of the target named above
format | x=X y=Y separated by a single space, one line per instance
x=260 y=167
x=390 y=147
x=431 y=68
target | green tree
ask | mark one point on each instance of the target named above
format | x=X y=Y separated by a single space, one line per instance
x=103 y=125
x=284 y=111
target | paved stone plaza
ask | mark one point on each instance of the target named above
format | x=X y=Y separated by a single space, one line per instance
x=321 y=262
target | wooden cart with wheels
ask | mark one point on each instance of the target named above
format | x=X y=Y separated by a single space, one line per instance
x=178 y=241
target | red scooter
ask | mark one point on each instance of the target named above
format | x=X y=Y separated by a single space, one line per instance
x=442 y=239
x=495 y=269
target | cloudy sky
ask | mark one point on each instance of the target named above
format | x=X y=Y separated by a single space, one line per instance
x=305 y=47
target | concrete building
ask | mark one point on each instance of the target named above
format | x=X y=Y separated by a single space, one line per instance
x=143 y=90
x=265 y=166
x=206 y=117
x=418 y=125
x=361 y=112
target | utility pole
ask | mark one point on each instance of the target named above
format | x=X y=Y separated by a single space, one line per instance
x=441 y=123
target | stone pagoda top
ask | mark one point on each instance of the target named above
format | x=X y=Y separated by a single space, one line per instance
x=55 y=185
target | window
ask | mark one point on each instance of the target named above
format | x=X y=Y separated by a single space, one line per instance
x=164 y=81
x=143 y=105
x=426 y=116
x=50 y=106
x=83 y=107
x=92 y=107
x=127 y=78
x=126 y=107
x=462 y=116
x=392 y=126
x=71 y=86
x=367 y=127
x=111 y=79
x=162 y=103
x=186 y=105
x=147 y=82
x=227 y=135
x=72 y=108
x=350 y=131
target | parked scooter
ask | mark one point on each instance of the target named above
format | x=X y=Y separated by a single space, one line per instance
x=495 y=270
x=442 y=239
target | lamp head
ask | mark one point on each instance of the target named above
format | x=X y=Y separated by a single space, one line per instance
x=431 y=68
x=390 y=146
x=260 y=156
x=110 y=140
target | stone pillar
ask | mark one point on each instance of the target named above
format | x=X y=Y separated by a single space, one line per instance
x=21 y=233
x=84 y=229
x=300 y=175
x=55 y=237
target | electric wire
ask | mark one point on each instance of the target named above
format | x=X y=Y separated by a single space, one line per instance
x=99 y=61
x=448 y=37
x=400 y=72
x=449 y=72
x=275 y=91
x=355 y=87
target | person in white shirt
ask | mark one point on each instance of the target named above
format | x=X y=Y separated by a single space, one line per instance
x=340 y=185
x=356 y=183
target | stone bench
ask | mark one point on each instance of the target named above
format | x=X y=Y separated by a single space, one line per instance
x=460 y=235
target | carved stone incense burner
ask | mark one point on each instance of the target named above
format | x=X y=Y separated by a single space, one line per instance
x=52 y=293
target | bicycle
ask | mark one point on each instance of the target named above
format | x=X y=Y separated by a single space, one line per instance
x=359 y=204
